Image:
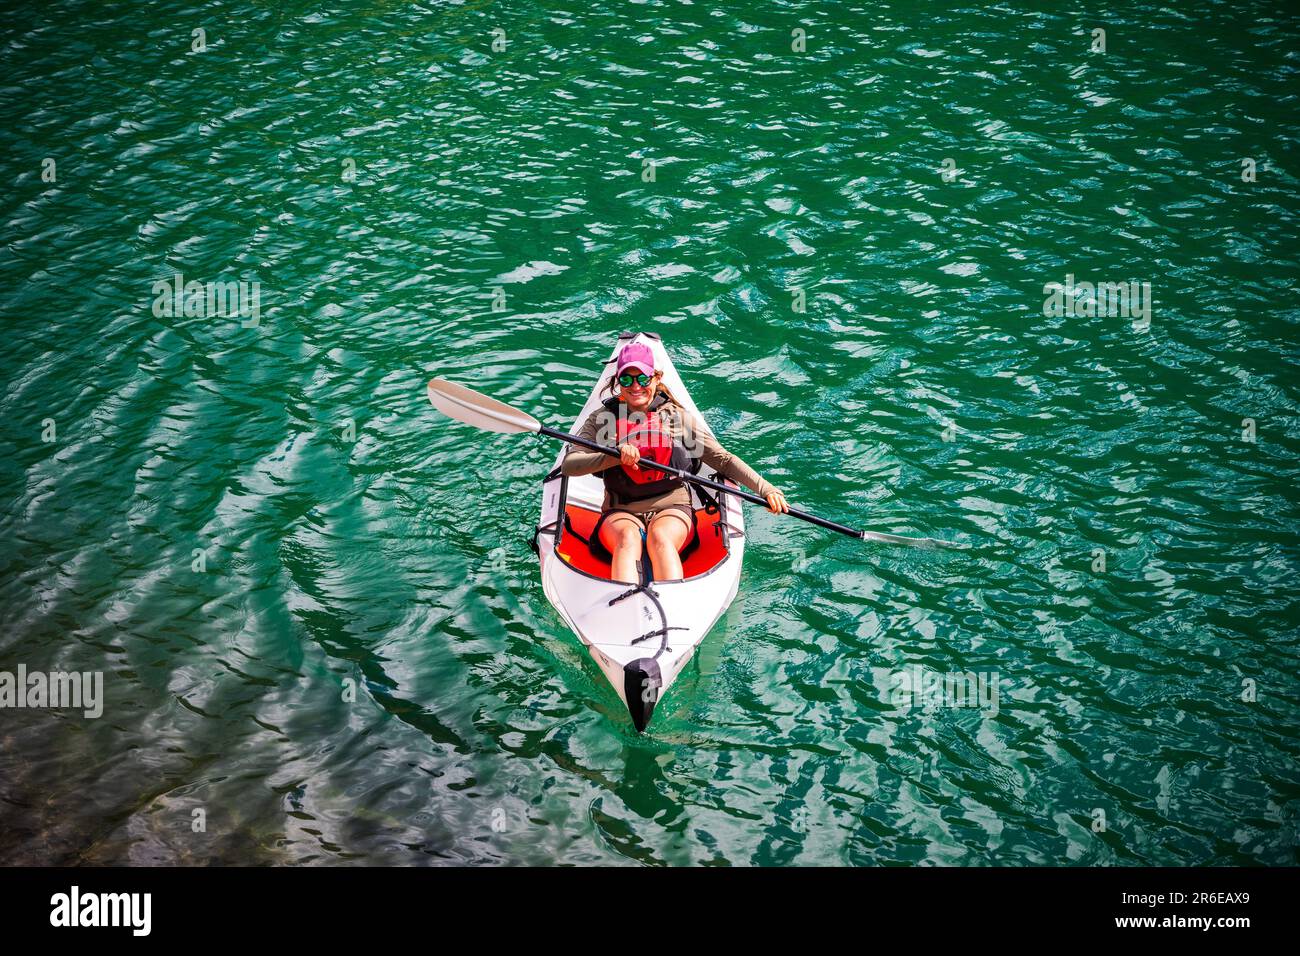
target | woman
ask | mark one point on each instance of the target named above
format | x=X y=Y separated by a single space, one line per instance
x=643 y=419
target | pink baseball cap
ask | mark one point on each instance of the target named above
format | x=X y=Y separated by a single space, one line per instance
x=636 y=355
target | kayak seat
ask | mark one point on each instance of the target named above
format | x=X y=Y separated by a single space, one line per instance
x=599 y=550
x=601 y=553
x=702 y=553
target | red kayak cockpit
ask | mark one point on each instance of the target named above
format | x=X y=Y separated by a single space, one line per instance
x=579 y=522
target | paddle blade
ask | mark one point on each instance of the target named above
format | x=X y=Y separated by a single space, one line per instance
x=473 y=408
x=913 y=542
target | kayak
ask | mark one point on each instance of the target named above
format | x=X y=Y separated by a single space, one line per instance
x=640 y=635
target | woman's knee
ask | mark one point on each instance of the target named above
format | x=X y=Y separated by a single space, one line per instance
x=667 y=533
x=624 y=534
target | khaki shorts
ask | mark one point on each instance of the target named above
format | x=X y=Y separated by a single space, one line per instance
x=647 y=517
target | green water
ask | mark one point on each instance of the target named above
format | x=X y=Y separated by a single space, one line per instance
x=350 y=537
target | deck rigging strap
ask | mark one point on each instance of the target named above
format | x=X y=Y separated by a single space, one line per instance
x=662 y=632
x=711 y=506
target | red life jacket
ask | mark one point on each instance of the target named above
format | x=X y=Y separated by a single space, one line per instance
x=655 y=443
x=652 y=440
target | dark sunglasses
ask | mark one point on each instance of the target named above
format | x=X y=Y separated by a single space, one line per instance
x=626 y=380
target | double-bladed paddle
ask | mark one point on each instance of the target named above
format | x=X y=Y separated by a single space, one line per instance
x=474 y=408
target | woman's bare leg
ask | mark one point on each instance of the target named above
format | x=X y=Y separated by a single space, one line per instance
x=621 y=534
x=667 y=536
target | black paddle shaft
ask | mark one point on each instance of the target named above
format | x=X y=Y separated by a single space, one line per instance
x=687 y=476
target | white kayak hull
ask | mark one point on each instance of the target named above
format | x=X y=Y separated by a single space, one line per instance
x=641 y=637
